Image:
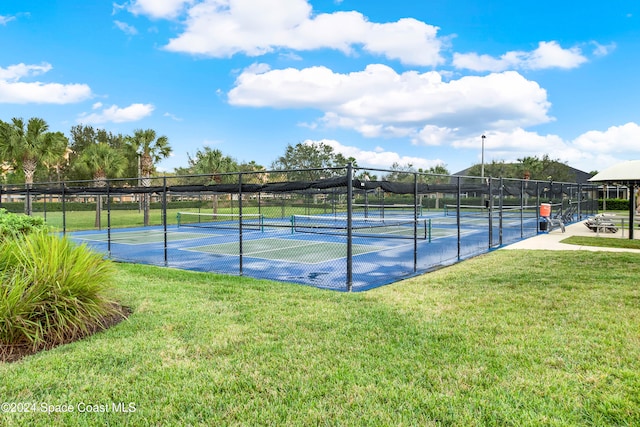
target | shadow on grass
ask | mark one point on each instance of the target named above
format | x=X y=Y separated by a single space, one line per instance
x=14 y=352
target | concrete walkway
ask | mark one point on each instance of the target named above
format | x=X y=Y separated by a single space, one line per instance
x=551 y=240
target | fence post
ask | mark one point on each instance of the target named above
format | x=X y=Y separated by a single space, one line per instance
x=64 y=212
x=349 y=227
x=458 y=200
x=164 y=220
x=501 y=204
x=490 y=208
x=522 y=205
x=239 y=219
x=27 y=206
x=579 y=212
x=108 y=220
x=632 y=208
x=415 y=221
x=538 y=207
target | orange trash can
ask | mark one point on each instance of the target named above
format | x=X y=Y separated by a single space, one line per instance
x=545 y=209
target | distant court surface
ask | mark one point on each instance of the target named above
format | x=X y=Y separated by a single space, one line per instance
x=307 y=249
x=343 y=228
x=138 y=237
x=276 y=254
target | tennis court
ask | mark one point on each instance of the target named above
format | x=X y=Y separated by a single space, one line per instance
x=309 y=249
x=348 y=229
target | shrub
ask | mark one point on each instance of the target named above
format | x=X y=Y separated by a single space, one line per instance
x=52 y=291
x=615 y=204
x=11 y=224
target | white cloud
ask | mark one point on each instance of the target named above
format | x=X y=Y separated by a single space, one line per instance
x=380 y=102
x=223 y=28
x=172 y=117
x=379 y=157
x=603 y=50
x=19 y=71
x=546 y=55
x=126 y=28
x=159 y=9
x=616 y=139
x=115 y=114
x=593 y=150
x=14 y=91
x=4 y=20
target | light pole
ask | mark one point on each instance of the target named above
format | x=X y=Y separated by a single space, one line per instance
x=482 y=164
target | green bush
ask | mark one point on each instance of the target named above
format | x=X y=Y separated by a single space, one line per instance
x=615 y=204
x=12 y=224
x=52 y=291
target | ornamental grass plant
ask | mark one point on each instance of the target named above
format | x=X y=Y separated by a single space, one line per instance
x=52 y=291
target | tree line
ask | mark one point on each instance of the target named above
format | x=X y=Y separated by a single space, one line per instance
x=30 y=152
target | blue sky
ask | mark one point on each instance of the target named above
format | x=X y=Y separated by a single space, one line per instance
x=407 y=82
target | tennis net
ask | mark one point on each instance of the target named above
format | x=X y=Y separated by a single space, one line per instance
x=220 y=220
x=382 y=210
x=483 y=211
x=398 y=228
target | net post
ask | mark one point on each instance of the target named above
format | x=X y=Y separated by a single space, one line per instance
x=178 y=219
x=349 y=227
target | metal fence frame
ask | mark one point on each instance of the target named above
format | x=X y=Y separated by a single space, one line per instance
x=334 y=189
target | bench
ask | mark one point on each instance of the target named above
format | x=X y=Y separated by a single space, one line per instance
x=601 y=222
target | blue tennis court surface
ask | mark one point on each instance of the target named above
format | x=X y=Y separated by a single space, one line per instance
x=313 y=254
x=341 y=228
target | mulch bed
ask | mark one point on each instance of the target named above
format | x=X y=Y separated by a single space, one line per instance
x=14 y=352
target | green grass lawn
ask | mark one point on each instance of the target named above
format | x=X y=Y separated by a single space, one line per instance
x=602 y=242
x=520 y=338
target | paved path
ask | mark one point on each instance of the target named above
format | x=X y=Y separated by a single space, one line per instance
x=551 y=240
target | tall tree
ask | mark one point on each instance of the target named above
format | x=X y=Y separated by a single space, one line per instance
x=151 y=150
x=314 y=155
x=255 y=177
x=26 y=145
x=84 y=136
x=436 y=174
x=101 y=161
x=214 y=163
x=545 y=169
x=57 y=158
x=400 y=173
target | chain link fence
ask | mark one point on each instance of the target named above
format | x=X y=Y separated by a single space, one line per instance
x=347 y=228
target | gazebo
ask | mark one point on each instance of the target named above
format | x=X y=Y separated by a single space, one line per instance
x=625 y=173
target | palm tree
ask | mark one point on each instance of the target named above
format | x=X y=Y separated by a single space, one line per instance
x=27 y=145
x=58 y=158
x=212 y=162
x=150 y=151
x=101 y=161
